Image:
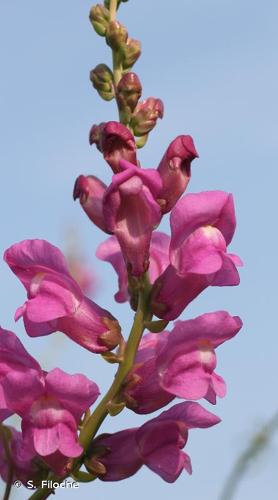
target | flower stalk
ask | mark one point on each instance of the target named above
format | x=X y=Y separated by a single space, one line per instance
x=93 y=423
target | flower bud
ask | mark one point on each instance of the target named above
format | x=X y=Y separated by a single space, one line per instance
x=95 y=135
x=99 y=17
x=130 y=52
x=116 y=35
x=117 y=143
x=128 y=92
x=90 y=190
x=102 y=79
x=145 y=116
x=175 y=170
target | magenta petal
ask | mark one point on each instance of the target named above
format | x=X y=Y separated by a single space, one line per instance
x=75 y=392
x=172 y=293
x=117 y=143
x=201 y=253
x=160 y=440
x=92 y=327
x=168 y=463
x=185 y=380
x=12 y=349
x=110 y=251
x=209 y=208
x=131 y=213
x=122 y=459
x=27 y=255
x=60 y=437
x=190 y=414
x=175 y=170
x=46 y=441
x=218 y=385
x=5 y=414
x=228 y=274
x=39 y=329
x=143 y=391
x=69 y=445
x=187 y=362
x=159 y=254
x=52 y=428
x=53 y=300
x=216 y=327
x=21 y=388
x=90 y=190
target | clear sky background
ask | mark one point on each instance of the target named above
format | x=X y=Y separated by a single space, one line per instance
x=214 y=64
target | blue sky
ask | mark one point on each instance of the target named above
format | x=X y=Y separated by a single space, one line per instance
x=214 y=64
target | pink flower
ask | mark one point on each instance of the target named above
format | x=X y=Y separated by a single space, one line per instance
x=131 y=212
x=110 y=251
x=142 y=391
x=187 y=362
x=128 y=208
x=24 y=465
x=50 y=424
x=179 y=363
x=116 y=142
x=55 y=301
x=202 y=227
x=175 y=170
x=50 y=404
x=14 y=358
x=156 y=444
x=90 y=190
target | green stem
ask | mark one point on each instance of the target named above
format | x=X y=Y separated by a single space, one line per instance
x=113 y=9
x=117 y=65
x=6 y=445
x=94 y=422
x=97 y=417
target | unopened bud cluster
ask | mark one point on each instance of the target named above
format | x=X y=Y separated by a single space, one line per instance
x=122 y=83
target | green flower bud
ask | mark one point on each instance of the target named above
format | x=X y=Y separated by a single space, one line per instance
x=116 y=35
x=102 y=79
x=130 y=52
x=99 y=17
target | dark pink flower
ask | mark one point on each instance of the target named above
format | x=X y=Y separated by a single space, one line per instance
x=156 y=444
x=55 y=301
x=131 y=212
x=175 y=170
x=50 y=424
x=116 y=143
x=142 y=390
x=187 y=362
x=24 y=465
x=50 y=404
x=202 y=227
x=15 y=359
x=110 y=251
x=90 y=190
